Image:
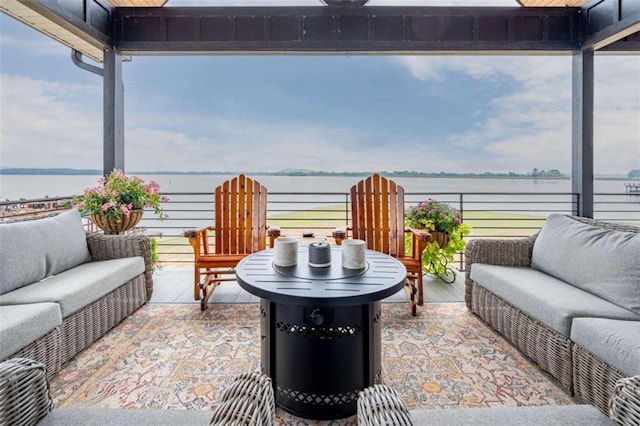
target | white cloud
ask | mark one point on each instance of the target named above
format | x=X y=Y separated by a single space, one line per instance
x=48 y=124
x=35 y=44
x=531 y=126
x=245 y=145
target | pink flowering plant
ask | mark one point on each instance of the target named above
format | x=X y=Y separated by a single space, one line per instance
x=434 y=215
x=117 y=195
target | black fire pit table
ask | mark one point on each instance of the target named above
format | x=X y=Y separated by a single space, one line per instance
x=320 y=328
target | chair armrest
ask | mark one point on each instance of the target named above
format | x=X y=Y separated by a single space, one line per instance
x=419 y=240
x=420 y=234
x=339 y=234
x=381 y=405
x=106 y=247
x=624 y=405
x=273 y=232
x=24 y=392
x=191 y=233
x=198 y=240
x=503 y=252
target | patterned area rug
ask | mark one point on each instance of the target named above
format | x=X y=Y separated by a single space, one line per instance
x=174 y=356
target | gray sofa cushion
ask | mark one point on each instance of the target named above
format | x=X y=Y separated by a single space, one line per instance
x=565 y=415
x=114 y=417
x=601 y=261
x=66 y=241
x=543 y=297
x=21 y=325
x=613 y=341
x=22 y=258
x=34 y=249
x=76 y=288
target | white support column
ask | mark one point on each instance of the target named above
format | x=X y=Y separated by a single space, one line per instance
x=582 y=132
x=113 y=113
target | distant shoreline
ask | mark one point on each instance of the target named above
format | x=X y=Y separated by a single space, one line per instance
x=299 y=173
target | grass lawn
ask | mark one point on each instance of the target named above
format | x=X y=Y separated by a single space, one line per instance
x=323 y=220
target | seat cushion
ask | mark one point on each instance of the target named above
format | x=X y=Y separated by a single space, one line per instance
x=65 y=240
x=613 y=341
x=602 y=261
x=21 y=325
x=114 y=417
x=39 y=248
x=76 y=288
x=565 y=415
x=545 y=298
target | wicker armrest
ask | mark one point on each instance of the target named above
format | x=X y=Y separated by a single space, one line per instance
x=24 y=392
x=513 y=252
x=381 y=405
x=624 y=406
x=106 y=247
x=248 y=400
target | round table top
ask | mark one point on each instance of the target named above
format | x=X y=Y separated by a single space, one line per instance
x=329 y=286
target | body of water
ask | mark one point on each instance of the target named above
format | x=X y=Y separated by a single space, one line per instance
x=14 y=187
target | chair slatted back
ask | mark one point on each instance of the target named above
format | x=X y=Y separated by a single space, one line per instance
x=240 y=216
x=377 y=214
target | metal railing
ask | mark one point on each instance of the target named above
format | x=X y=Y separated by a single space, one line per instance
x=491 y=214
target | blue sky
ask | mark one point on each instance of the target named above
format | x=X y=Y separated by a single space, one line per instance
x=336 y=113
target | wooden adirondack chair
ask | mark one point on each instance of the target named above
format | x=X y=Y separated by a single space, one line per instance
x=377 y=216
x=240 y=229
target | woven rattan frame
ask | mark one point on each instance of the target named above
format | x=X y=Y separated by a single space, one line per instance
x=82 y=328
x=549 y=349
x=624 y=406
x=24 y=392
x=382 y=405
x=46 y=350
x=90 y=323
x=515 y=252
x=106 y=247
x=593 y=379
x=247 y=401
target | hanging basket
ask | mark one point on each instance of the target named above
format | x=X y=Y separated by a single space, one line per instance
x=442 y=238
x=111 y=225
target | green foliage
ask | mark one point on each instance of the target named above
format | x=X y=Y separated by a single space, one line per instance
x=553 y=173
x=117 y=195
x=435 y=258
x=154 y=254
x=433 y=215
x=635 y=173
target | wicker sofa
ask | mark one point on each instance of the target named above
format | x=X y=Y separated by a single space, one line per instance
x=25 y=399
x=61 y=288
x=381 y=405
x=567 y=297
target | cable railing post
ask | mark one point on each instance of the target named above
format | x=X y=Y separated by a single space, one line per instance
x=461 y=268
x=346 y=209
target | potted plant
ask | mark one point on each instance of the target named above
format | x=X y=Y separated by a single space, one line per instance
x=445 y=225
x=117 y=203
